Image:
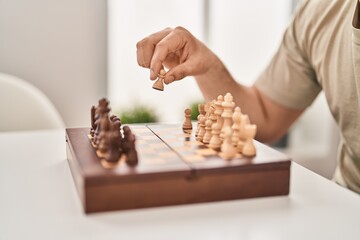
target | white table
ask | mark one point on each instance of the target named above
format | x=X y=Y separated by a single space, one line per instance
x=38 y=200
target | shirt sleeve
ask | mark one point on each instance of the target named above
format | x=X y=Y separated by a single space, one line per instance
x=289 y=80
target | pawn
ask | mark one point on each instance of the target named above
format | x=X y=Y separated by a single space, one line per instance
x=159 y=83
x=227 y=149
x=187 y=125
x=242 y=134
x=201 y=108
x=201 y=132
x=219 y=110
x=215 y=141
x=249 y=149
x=93 y=125
x=128 y=146
x=213 y=116
x=125 y=143
x=132 y=157
x=236 y=126
x=115 y=119
x=207 y=135
x=113 y=152
x=227 y=114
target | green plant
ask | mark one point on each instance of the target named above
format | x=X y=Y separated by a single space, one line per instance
x=138 y=114
x=194 y=110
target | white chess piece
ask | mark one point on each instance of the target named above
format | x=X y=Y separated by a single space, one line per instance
x=215 y=141
x=249 y=149
x=207 y=135
x=201 y=132
x=236 y=126
x=228 y=106
x=227 y=149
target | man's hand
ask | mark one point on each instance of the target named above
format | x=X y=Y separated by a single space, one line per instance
x=177 y=50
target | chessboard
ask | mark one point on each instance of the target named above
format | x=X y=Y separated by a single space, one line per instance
x=172 y=168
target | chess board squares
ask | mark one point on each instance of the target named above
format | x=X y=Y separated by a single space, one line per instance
x=194 y=158
x=154 y=161
x=146 y=137
x=153 y=157
x=168 y=139
x=162 y=129
x=198 y=155
x=193 y=143
x=149 y=142
x=190 y=154
x=142 y=131
x=155 y=152
x=166 y=136
x=237 y=156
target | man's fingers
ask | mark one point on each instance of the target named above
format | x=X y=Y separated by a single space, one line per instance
x=175 y=40
x=179 y=72
x=145 y=47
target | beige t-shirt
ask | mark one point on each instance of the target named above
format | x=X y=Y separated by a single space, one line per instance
x=321 y=51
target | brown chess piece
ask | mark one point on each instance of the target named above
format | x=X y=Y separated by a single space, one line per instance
x=93 y=125
x=159 y=83
x=129 y=148
x=201 y=108
x=100 y=110
x=187 y=125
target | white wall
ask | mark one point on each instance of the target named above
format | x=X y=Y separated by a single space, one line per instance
x=60 y=47
x=245 y=34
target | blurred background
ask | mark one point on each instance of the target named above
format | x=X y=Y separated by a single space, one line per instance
x=77 y=51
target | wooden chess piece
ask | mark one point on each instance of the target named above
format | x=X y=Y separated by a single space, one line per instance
x=132 y=156
x=92 y=117
x=103 y=141
x=215 y=141
x=228 y=106
x=207 y=135
x=187 y=125
x=249 y=149
x=159 y=83
x=101 y=110
x=236 y=126
x=242 y=134
x=213 y=116
x=219 y=110
x=113 y=152
x=201 y=133
x=201 y=108
x=128 y=146
x=114 y=119
x=228 y=151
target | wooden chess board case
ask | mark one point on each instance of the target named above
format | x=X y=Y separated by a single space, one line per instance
x=173 y=181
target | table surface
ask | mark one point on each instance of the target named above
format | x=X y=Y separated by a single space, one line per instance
x=38 y=200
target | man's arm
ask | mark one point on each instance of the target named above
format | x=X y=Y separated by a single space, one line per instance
x=272 y=119
x=184 y=55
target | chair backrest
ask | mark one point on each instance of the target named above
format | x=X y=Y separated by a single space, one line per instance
x=25 y=107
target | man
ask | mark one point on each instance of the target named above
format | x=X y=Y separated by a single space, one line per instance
x=320 y=51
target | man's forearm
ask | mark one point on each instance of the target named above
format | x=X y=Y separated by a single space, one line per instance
x=272 y=120
x=218 y=81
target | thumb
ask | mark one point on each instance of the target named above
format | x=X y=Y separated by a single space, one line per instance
x=179 y=72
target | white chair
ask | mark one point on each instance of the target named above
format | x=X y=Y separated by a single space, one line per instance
x=25 y=107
